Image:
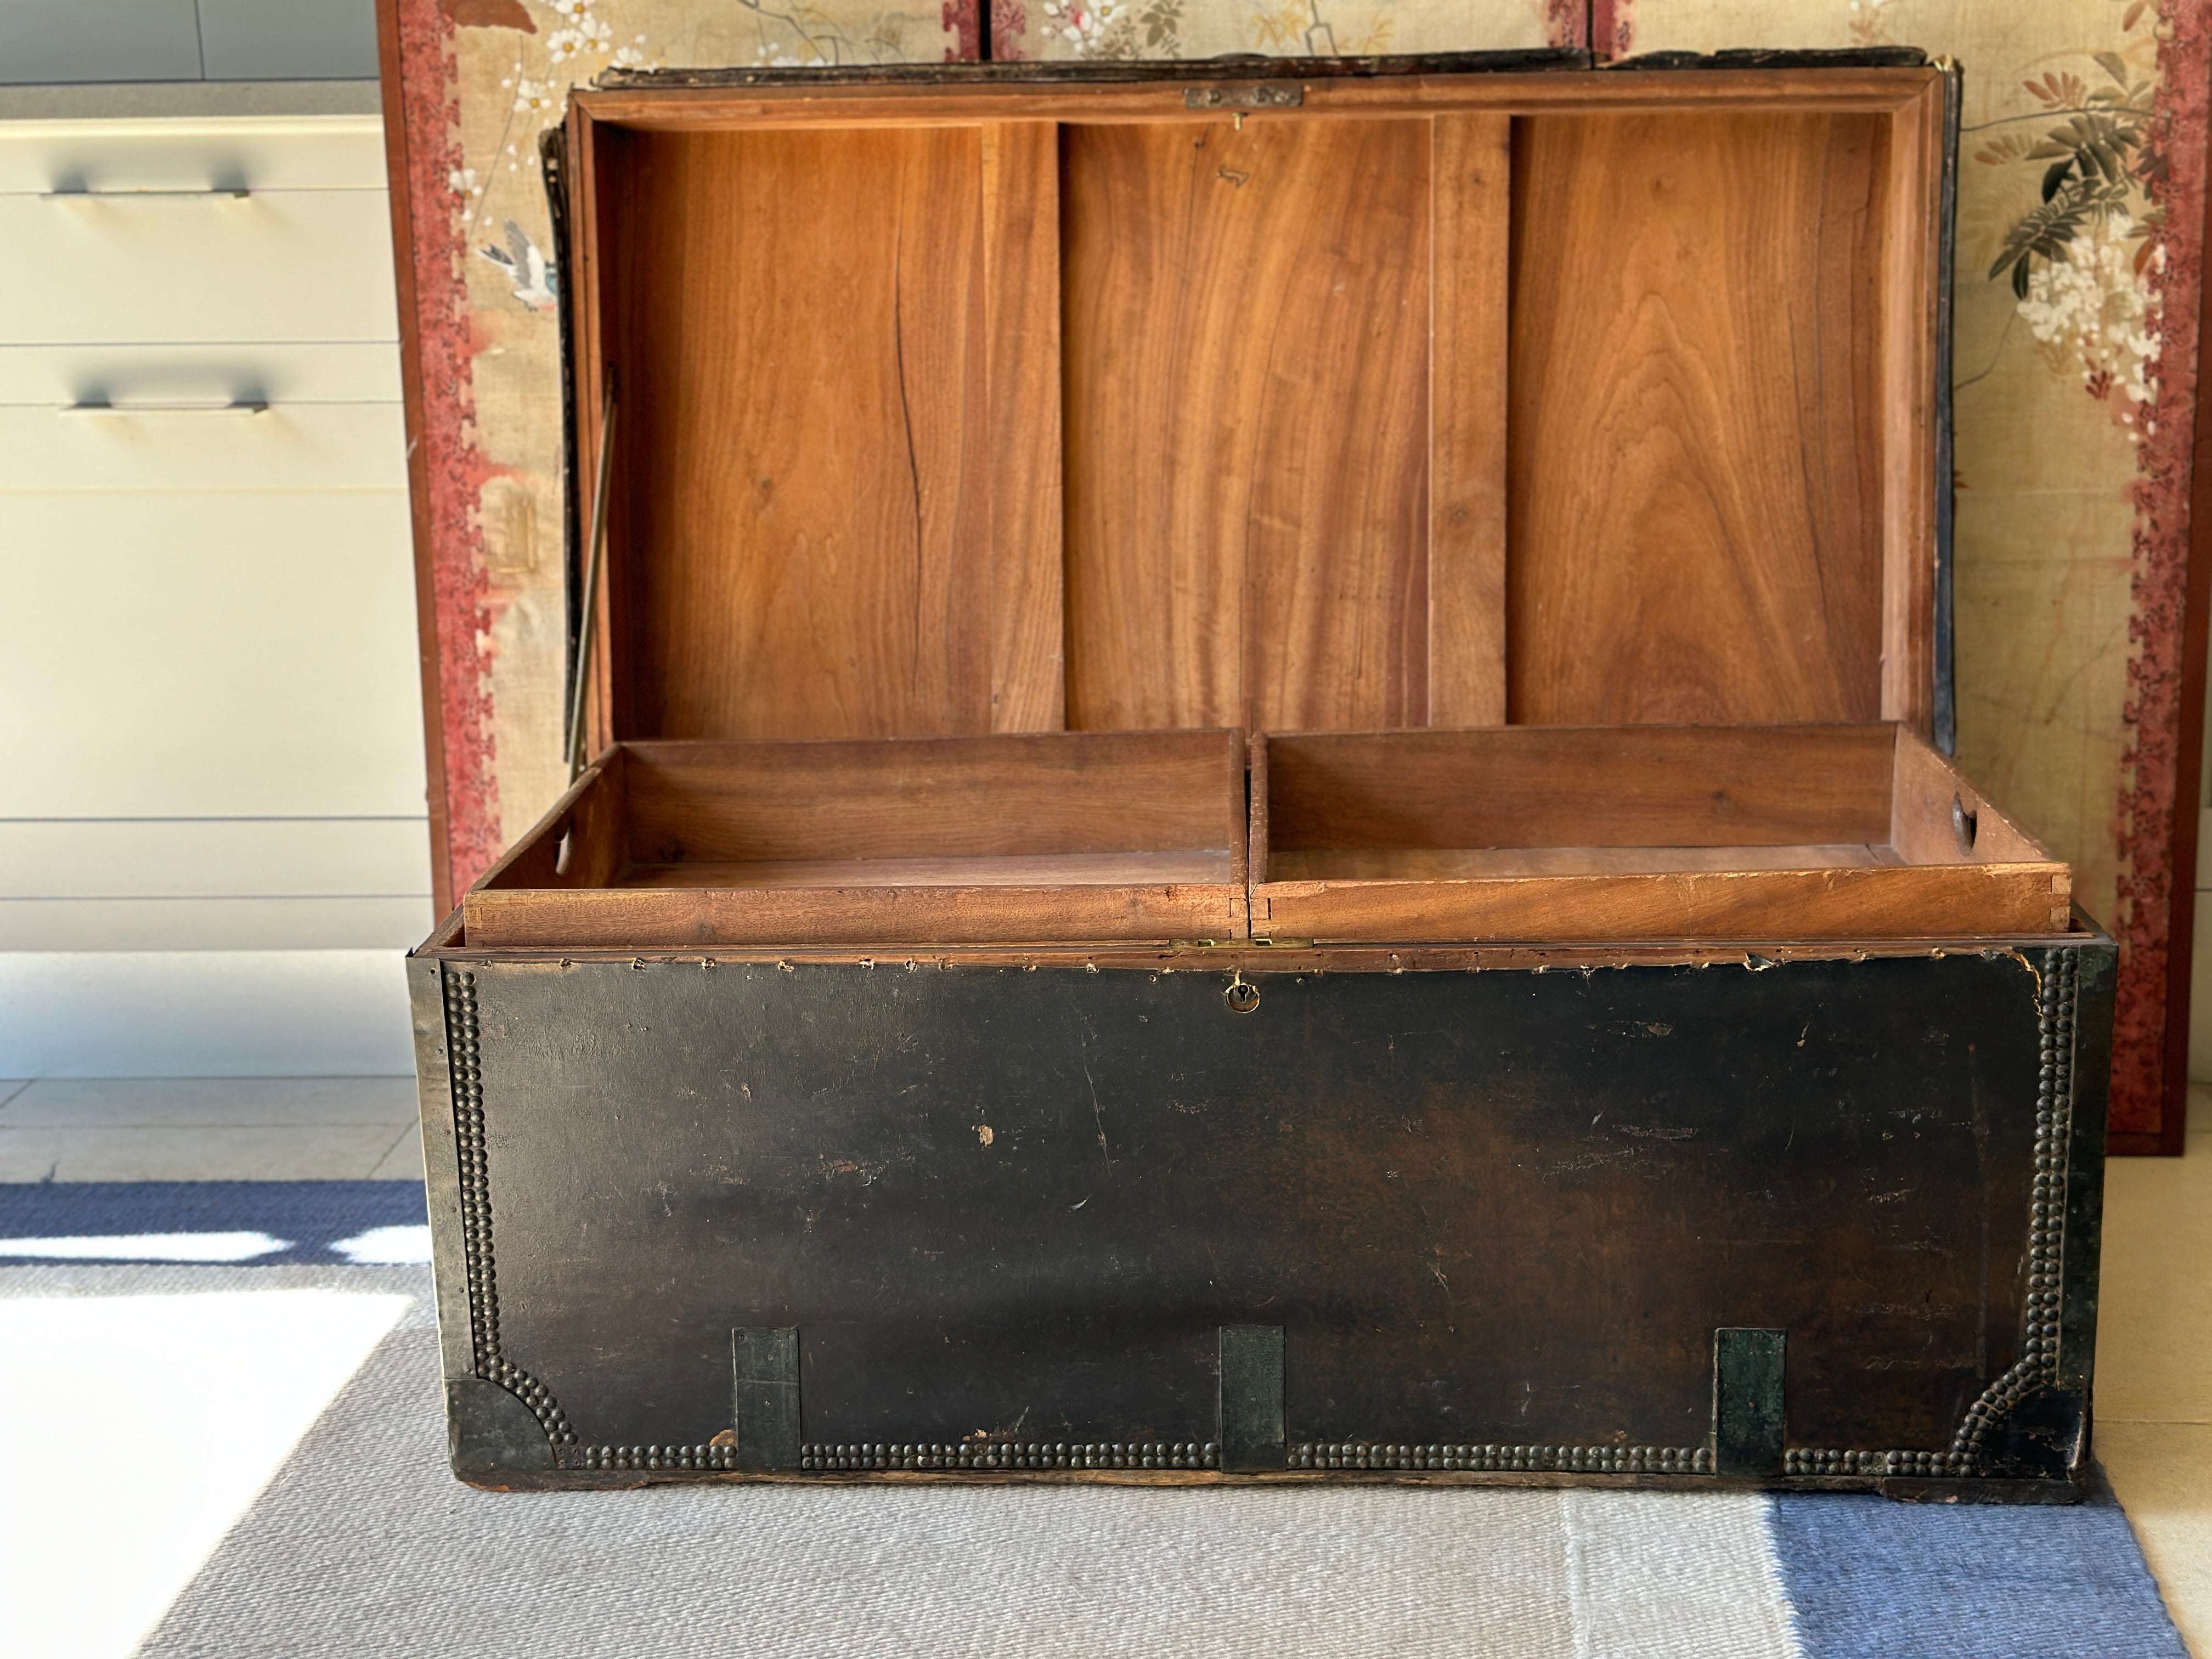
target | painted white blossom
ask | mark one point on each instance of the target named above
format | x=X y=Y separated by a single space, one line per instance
x=2090 y=310
x=534 y=98
x=1083 y=23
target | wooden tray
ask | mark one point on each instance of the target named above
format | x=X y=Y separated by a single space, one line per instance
x=1633 y=833
x=1062 y=836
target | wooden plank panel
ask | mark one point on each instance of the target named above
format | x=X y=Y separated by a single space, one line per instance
x=1598 y=786
x=1696 y=474
x=1911 y=208
x=1006 y=870
x=1021 y=294
x=1472 y=171
x=1077 y=793
x=801 y=387
x=1487 y=863
x=1246 y=344
x=1752 y=905
x=679 y=917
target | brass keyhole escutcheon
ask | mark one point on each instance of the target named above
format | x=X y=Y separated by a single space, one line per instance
x=1243 y=997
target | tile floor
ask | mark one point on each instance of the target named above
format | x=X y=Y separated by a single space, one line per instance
x=2154 y=1345
x=327 y=1128
x=2154 y=1364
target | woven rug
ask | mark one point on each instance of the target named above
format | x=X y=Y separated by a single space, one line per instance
x=226 y=1442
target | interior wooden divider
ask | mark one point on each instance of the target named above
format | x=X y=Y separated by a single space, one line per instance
x=1472 y=239
x=1020 y=185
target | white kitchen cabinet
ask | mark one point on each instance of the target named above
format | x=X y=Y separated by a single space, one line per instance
x=207 y=604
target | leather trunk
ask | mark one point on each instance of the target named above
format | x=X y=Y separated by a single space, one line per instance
x=1268 y=801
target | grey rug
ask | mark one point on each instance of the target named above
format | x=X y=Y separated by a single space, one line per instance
x=363 y=1544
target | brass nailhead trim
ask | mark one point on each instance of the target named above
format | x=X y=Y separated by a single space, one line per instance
x=2047 y=1252
x=1493 y=1458
x=467 y=1068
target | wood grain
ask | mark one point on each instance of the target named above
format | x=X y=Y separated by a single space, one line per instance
x=1697 y=463
x=1079 y=407
x=1635 y=832
x=1925 y=829
x=1005 y=839
x=1004 y=870
x=1483 y=863
x=891 y=916
x=1021 y=299
x=1246 y=357
x=803 y=443
x=1911 y=153
x=1749 y=905
x=594 y=814
x=1472 y=205
x=952 y=797
x=1579 y=787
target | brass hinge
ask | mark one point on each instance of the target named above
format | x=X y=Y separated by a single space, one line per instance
x=1251 y=95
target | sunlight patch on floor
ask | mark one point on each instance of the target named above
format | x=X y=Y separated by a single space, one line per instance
x=140 y=1428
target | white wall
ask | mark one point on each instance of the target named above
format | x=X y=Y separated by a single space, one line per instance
x=213 y=841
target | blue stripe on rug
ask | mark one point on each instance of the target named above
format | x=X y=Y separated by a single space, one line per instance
x=1872 y=1578
x=234 y=1223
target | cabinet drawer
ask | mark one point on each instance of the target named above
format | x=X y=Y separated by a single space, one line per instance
x=202 y=449
x=273 y=265
x=209 y=655
x=294 y=152
x=278 y=372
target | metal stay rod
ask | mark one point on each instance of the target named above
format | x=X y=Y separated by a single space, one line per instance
x=591 y=595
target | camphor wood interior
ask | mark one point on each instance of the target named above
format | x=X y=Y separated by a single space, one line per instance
x=1594 y=833
x=1054 y=836
x=996 y=407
